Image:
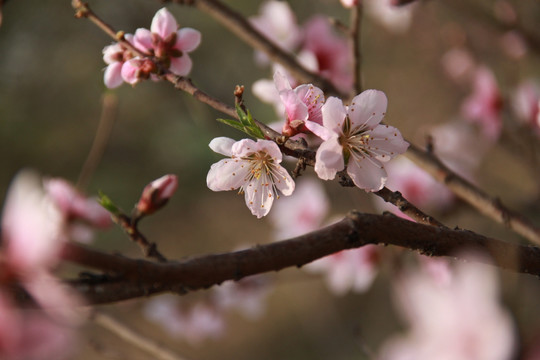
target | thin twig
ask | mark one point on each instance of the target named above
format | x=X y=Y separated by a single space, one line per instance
x=103 y=133
x=353 y=231
x=485 y=204
x=126 y=333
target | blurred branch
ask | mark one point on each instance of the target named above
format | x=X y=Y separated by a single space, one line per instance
x=354 y=231
x=355 y=39
x=103 y=133
x=126 y=333
x=485 y=204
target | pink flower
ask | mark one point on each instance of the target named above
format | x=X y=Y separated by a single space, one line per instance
x=254 y=168
x=302 y=105
x=458 y=64
x=396 y=19
x=33 y=234
x=417 y=186
x=332 y=53
x=348 y=270
x=454 y=320
x=167 y=44
x=246 y=295
x=526 y=104
x=156 y=194
x=115 y=56
x=349 y=3
x=278 y=23
x=484 y=105
x=353 y=137
x=301 y=213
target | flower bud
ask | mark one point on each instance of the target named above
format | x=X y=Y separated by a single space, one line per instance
x=156 y=194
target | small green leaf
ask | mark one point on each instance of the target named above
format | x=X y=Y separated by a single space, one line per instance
x=245 y=123
x=107 y=203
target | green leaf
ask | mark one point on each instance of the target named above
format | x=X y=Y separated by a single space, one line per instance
x=107 y=203
x=245 y=123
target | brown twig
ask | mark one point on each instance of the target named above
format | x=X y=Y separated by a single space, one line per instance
x=353 y=231
x=149 y=249
x=134 y=338
x=485 y=204
x=103 y=133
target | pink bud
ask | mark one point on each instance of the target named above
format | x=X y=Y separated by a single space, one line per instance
x=156 y=194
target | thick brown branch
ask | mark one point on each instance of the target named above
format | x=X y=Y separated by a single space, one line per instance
x=356 y=230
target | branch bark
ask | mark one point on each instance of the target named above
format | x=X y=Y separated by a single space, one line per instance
x=142 y=277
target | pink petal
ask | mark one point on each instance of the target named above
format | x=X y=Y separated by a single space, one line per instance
x=329 y=159
x=163 y=23
x=222 y=145
x=187 y=39
x=366 y=173
x=113 y=75
x=386 y=142
x=313 y=98
x=333 y=113
x=181 y=66
x=281 y=81
x=368 y=109
x=143 y=40
x=110 y=53
x=130 y=71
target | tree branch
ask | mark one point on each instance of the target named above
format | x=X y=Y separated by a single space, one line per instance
x=142 y=277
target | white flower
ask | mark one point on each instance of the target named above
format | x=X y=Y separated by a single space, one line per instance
x=253 y=167
x=354 y=137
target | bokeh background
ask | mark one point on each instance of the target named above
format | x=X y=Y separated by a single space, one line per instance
x=51 y=90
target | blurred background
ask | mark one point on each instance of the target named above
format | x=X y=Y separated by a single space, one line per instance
x=51 y=91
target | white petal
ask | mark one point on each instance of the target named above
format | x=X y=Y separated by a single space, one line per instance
x=368 y=109
x=259 y=197
x=329 y=159
x=333 y=113
x=113 y=75
x=244 y=147
x=222 y=145
x=227 y=174
x=366 y=173
x=271 y=149
x=283 y=180
x=386 y=142
x=281 y=81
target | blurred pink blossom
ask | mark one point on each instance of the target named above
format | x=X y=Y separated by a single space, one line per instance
x=115 y=56
x=156 y=194
x=349 y=3
x=416 y=185
x=458 y=64
x=253 y=167
x=246 y=295
x=353 y=138
x=526 y=104
x=396 y=19
x=34 y=231
x=302 y=105
x=460 y=319
x=484 y=105
x=278 y=23
x=514 y=45
x=195 y=324
x=304 y=212
x=348 y=270
x=331 y=51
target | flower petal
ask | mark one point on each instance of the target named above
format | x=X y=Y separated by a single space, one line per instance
x=366 y=173
x=329 y=159
x=113 y=75
x=163 y=23
x=227 y=174
x=281 y=81
x=283 y=180
x=259 y=198
x=181 y=65
x=222 y=145
x=313 y=98
x=386 y=142
x=333 y=113
x=187 y=39
x=143 y=40
x=368 y=109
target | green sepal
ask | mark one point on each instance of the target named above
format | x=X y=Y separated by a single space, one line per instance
x=245 y=123
x=107 y=203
